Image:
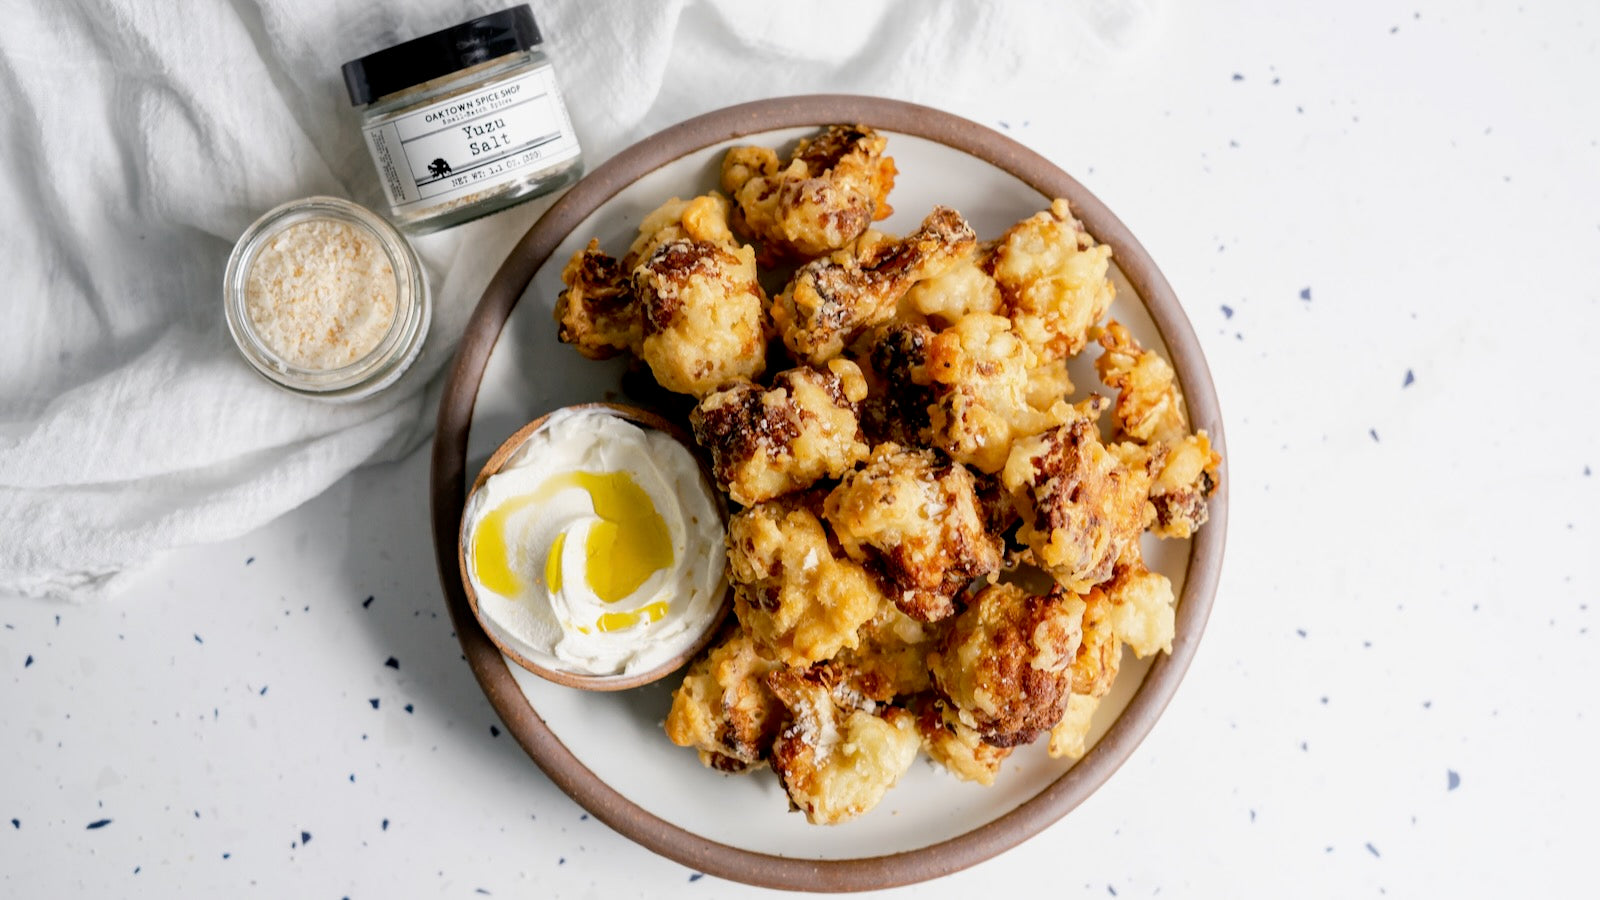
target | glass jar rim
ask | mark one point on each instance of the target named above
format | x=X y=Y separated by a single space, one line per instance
x=378 y=367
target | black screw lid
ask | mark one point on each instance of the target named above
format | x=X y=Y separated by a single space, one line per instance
x=432 y=55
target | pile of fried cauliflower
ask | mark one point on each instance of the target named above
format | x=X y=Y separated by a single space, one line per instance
x=934 y=549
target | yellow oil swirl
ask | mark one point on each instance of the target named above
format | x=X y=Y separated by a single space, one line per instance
x=630 y=543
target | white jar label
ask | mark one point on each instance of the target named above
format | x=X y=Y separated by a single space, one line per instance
x=473 y=142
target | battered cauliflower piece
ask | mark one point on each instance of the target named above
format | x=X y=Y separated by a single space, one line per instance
x=596 y=313
x=1083 y=505
x=981 y=373
x=955 y=745
x=1006 y=662
x=892 y=659
x=799 y=601
x=918 y=517
x=1052 y=276
x=833 y=186
x=837 y=757
x=1141 y=611
x=1100 y=653
x=1150 y=410
x=724 y=709
x=1186 y=478
x=832 y=300
x=765 y=443
x=704 y=318
x=703 y=219
x=964 y=289
x=1070 y=737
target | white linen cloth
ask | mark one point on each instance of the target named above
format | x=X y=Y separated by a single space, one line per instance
x=142 y=138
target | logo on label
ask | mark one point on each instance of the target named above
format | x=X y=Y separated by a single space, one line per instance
x=439 y=168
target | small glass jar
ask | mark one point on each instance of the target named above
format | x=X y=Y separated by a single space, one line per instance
x=465 y=122
x=327 y=299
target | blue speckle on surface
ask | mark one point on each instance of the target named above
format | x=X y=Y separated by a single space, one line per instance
x=1227 y=311
x=1237 y=77
x=480 y=891
x=352 y=778
x=1373 y=850
x=1374 y=433
x=494 y=731
x=1410 y=379
x=1452 y=781
x=696 y=877
x=1300 y=631
x=197 y=639
x=1586 y=471
x=136 y=869
x=305 y=838
x=98 y=823
x=227 y=855
x=263 y=691
x=366 y=603
x=16 y=823
x=28 y=662
x=1111 y=890
x=374 y=702
x=392 y=663
x=1305 y=294
x=385 y=825
x=561 y=861
x=250 y=560
x=410 y=708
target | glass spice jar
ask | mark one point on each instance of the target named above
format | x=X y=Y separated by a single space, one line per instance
x=465 y=121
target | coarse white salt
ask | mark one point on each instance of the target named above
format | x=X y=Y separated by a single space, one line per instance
x=321 y=294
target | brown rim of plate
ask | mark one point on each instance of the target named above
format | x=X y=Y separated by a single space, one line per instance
x=449 y=483
x=497 y=460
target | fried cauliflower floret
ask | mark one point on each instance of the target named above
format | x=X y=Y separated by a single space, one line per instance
x=1100 y=654
x=1140 y=611
x=1149 y=406
x=1070 y=737
x=892 y=659
x=832 y=300
x=1082 y=505
x=704 y=319
x=964 y=289
x=798 y=600
x=836 y=757
x=703 y=219
x=1150 y=410
x=1052 y=276
x=596 y=312
x=1005 y=664
x=724 y=709
x=956 y=746
x=980 y=371
x=833 y=186
x=765 y=443
x=918 y=517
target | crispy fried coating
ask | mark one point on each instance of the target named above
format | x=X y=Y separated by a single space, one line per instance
x=1100 y=653
x=596 y=312
x=800 y=599
x=831 y=189
x=1070 y=737
x=703 y=219
x=1186 y=478
x=981 y=373
x=1005 y=664
x=1150 y=410
x=832 y=300
x=1141 y=612
x=1082 y=505
x=954 y=744
x=964 y=289
x=765 y=443
x=836 y=757
x=724 y=709
x=897 y=407
x=1052 y=276
x=704 y=318
x=892 y=659
x=917 y=516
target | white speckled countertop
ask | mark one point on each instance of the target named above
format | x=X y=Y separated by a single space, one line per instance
x=1384 y=221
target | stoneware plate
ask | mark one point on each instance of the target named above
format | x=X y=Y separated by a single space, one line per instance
x=608 y=751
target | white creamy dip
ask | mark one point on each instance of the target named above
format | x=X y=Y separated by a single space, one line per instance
x=597 y=548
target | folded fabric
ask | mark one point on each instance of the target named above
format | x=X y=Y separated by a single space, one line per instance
x=143 y=138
